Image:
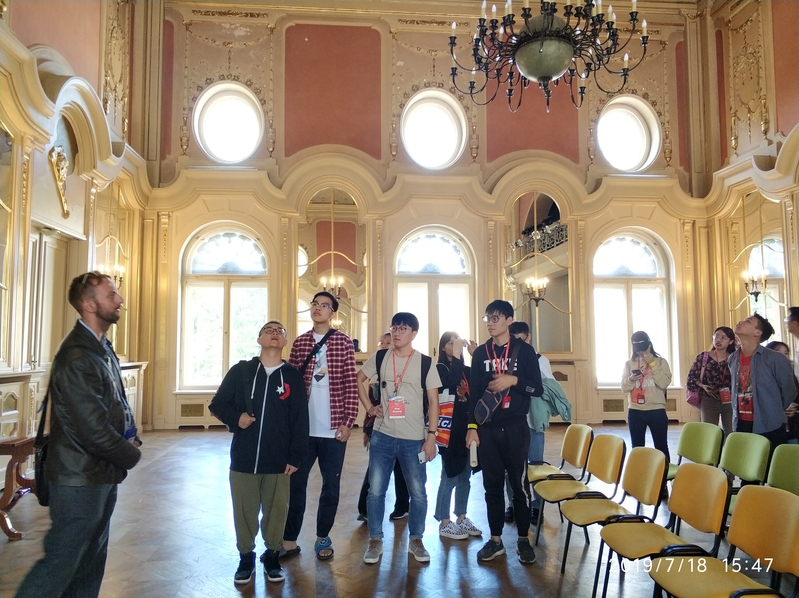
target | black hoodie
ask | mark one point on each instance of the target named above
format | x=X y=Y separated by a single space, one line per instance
x=279 y=434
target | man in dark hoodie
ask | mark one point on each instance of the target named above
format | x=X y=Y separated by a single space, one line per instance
x=263 y=402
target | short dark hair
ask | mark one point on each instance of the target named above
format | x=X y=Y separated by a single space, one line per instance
x=519 y=327
x=498 y=306
x=274 y=322
x=764 y=327
x=793 y=314
x=333 y=300
x=405 y=318
x=83 y=288
x=774 y=344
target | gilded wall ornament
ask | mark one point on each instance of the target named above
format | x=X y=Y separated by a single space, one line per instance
x=60 y=165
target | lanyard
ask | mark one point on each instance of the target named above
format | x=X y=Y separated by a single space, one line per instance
x=398 y=381
x=497 y=363
x=743 y=374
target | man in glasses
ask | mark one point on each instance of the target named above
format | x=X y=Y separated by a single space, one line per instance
x=262 y=401
x=93 y=443
x=400 y=433
x=326 y=358
x=508 y=368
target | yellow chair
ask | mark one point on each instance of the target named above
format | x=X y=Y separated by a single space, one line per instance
x=699 y=498
x=699 y=443
x=574 y=451
x=784 y=469
x=604 y=463
x=746 y=456
x=644 y=477
x=765 y=525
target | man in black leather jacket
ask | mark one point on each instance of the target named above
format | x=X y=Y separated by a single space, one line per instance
x=93 y=442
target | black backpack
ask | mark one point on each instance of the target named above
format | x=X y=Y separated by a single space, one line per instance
x=427 y=362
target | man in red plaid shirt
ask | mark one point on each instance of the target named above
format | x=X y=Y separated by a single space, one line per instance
x=332 y=387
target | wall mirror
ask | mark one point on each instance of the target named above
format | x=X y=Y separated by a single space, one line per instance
x=537 y=269
x=5 y=238
x=332 y=257
x=756 y=265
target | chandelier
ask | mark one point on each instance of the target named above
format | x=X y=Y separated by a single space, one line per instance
x=545 y=49
x=753 y=286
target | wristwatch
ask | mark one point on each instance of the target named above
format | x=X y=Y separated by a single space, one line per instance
x=433 y=432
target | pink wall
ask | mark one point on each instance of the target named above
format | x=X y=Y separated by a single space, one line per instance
x=683 y=122
x=531 y=127
x=70 y=26
x=333 y=88
x=724 y=124
x=785 y=24
x=345 y=243
x=166 y=90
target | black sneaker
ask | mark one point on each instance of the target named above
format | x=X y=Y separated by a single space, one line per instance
x=509 y=515
x=525 y=552
x=246 y=570
x=362 y=517
x=490 y=551
x=398 y=515
x=535 y=512
x=272 y=568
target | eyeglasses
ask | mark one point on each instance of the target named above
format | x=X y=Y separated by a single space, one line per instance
x=492 y=319
x=274 y=331
x=400 y=329
x=322 y=305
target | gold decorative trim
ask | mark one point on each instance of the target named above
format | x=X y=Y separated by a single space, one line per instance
x=434 y=22
x=60 y=165
x=230 y=13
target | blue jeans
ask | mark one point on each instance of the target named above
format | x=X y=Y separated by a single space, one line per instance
x=76 y=546
x=534 y=453
x=462 y=486
x=383 y=451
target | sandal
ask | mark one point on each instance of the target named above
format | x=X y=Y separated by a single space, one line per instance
x=282 y=552
x=323 y=545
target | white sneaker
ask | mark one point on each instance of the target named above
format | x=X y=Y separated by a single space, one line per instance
x=452 y=530
x=469 y=527
x=373 y=551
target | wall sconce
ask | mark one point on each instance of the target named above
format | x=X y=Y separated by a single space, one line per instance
x=754 y=286
x=535 y=289
x=334 y=289
x=117 y=274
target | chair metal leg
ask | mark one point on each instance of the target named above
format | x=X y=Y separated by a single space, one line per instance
x=607 y=573
x=657 y=592
x=566 y=548
x=560 y=513
x=585 y=533
x=540 y=521
x=598 y=566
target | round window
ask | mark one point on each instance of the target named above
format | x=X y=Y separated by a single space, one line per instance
x=628 y=133
x=228 y=122
x=433 y=129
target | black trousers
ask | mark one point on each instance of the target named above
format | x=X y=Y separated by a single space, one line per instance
x=503 y=448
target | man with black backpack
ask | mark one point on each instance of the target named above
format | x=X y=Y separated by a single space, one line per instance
x=326 y=359
x=505 y=376
x=406 y=379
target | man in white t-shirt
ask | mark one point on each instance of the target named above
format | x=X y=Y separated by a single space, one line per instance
x=326 y=358
x=399 y=431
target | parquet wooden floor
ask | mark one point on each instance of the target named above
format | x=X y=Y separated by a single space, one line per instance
x=172 y=537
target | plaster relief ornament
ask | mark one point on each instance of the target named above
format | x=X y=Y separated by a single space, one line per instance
x=60 y=165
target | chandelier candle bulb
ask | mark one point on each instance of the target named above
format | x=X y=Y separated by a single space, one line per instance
x=643 y=28
x=527 y=3
x=635 y=6
x=599 y=7
x=626 y=60
x=494 y=12
x=483 y=9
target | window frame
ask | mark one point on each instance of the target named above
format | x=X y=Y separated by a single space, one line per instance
x=451 y=105
x=646 y=116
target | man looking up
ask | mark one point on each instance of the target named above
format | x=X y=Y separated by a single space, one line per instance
x=399 y=431
x=763 y=386
x=326 y=358
x=508 y=366
x=93 y=442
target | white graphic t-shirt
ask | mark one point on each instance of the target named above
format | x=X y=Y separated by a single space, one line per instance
x=319 y=399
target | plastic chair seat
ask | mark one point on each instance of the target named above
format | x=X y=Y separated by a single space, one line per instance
x=673 y=467
x=541 y=472
x=558 y=490
x=680 y=576
x=585 y=511
x=638 y=540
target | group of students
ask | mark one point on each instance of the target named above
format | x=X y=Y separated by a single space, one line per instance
x=749 y=386
x=287 y=415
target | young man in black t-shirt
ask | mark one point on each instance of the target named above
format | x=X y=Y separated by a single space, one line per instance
x=503 y=441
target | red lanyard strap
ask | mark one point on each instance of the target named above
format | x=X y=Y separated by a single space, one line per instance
x=497 y=363
x=398 y=381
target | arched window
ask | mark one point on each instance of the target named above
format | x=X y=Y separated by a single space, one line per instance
x=435 y=283
x=767 y=259
x=631 y=292
x=224 y=305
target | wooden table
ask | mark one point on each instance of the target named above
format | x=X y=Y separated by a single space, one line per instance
x=16 y=484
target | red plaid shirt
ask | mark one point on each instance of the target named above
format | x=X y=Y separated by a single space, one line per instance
x=341 y=369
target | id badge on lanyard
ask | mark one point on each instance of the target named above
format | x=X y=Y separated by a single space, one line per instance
x=396 y=407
